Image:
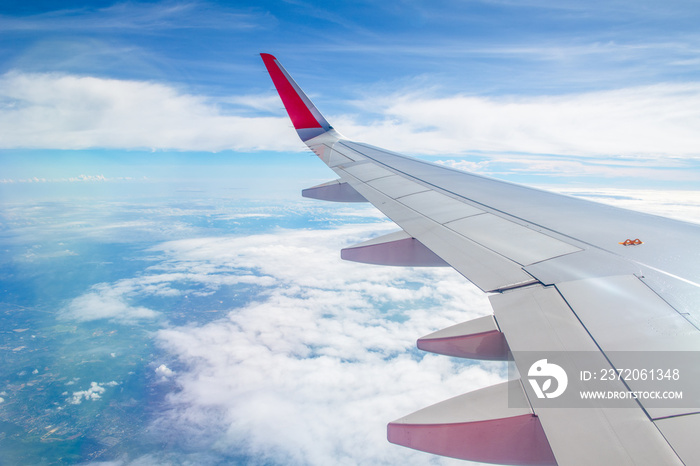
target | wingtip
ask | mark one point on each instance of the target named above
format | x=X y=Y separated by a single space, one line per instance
x=307 y=120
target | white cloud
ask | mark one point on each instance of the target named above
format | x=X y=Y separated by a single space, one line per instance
x=34 y=255
x=72 y=179
x=87 y=178
x=164 y=371
x=115 y=301
x=682 y=205
x=62 y=111
x=108 y=302
x=312 y=372
x=93 y=393
x=593 y=166
x=75 y=112
x=648 y=121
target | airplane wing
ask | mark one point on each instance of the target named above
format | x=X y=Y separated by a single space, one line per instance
x=584 y=295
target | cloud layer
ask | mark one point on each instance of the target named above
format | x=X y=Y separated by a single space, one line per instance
x=312 y=372
x=319 y=357
x=649 y=121
x=77 y=112
x=58 y=111
x=312 y=369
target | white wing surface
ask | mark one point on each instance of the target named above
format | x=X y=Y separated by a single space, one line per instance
x=595 y=290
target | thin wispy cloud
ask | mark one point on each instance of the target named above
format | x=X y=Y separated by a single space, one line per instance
x=134 y=17
x=71 y=179
x=117 y=302
x=547 y=166
x=682 y=205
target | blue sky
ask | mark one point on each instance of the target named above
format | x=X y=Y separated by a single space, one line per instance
x=534 y=91
x=467 y=46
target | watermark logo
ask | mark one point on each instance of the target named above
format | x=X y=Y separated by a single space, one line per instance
x=542 y=370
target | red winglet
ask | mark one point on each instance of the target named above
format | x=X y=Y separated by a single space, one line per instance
x=292 y=97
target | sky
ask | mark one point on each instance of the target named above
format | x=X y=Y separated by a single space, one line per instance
x=150 y=189
x=535 y=91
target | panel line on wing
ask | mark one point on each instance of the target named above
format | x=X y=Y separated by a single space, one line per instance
x=487 y=269
x=437 y=238
x=366 y=171
x=520 y=244
x=512 y=241
x=467 y=200
x=396 y=186
x=540 y=319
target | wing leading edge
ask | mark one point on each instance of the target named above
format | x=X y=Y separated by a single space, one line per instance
x=561 y=281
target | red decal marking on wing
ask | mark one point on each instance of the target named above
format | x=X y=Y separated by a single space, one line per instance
x=298 y=112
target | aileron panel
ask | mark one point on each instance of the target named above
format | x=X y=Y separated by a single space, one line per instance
x=366 y=171
x=519 y=243
x=439 y=207
x=396 y=186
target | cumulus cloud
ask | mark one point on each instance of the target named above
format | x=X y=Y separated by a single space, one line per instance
x=311 y=372
x=164 y=372
x=93 y=393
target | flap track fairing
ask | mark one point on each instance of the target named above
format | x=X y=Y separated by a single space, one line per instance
x=399 y=249
x=335 y=191
x=475 y=339
x=478 y=426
